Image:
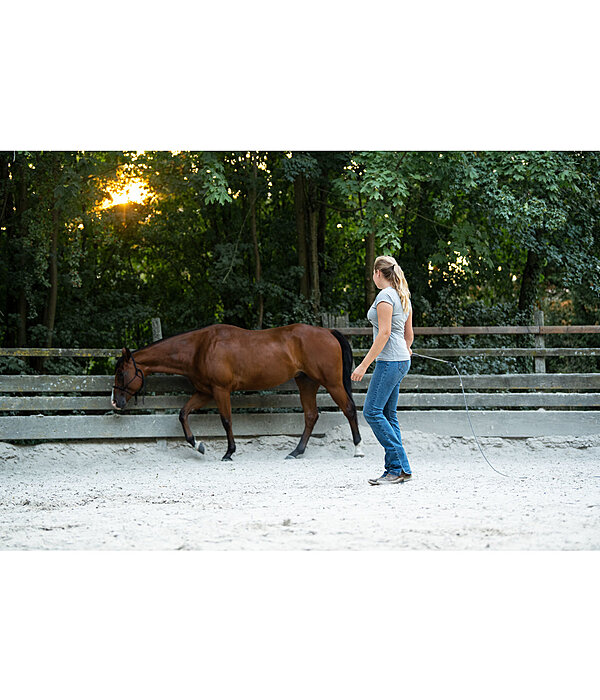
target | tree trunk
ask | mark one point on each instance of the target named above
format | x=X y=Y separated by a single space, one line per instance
x=6 y=223
x=22 y=327
x=4 y=189
x=321 y=229
x=257 y=266
x=50 y=311
x=315 y=290
x=529 y=284
x=20 y=206
x=299 y=203
x=51 y=299
x=369 y=263
x=312 y=217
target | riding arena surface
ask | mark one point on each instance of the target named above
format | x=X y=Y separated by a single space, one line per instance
x=162 y=495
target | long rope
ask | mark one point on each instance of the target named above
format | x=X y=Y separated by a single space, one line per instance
x=437 y=359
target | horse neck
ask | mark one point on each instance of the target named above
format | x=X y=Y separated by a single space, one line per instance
x=162 y=357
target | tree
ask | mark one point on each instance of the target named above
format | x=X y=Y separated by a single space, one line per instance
x=268 y=238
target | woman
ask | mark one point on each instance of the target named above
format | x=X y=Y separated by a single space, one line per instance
x=391 y=316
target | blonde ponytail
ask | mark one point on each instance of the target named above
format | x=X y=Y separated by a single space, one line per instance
x=394 y=273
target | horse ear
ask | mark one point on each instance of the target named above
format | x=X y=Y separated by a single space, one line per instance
x=126 y=353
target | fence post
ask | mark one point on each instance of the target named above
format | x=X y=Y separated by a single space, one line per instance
x=156 y=330
x=157 y=335
x=540 y=362
x=332 y=321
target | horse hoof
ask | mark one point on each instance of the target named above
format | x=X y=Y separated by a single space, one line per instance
x=358 y=450
x=226 y=458
x=293 y=456
x=200 y=448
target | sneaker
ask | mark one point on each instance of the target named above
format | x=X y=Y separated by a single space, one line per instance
x=390 y=478
x=373 y=482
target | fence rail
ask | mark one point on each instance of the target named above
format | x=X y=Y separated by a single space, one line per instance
x=485 y=330
x=539 y=352
x=434 y=352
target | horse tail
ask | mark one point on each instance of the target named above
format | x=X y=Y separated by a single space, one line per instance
x=346 y=362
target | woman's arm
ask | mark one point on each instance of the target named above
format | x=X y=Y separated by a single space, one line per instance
x=384 y=320
x=409 y=334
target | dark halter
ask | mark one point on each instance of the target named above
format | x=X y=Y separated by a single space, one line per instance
x=138 y=373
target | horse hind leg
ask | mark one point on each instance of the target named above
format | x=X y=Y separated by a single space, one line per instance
x=308 y=397
x=196 y=401
x=223 y=401
x=346 y=403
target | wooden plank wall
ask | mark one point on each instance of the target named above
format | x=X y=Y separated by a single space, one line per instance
x=44 y=404
x=436 y=401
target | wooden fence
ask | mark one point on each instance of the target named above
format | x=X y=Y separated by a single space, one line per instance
x=510 y=405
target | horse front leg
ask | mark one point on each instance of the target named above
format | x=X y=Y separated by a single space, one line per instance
x=223 y=400
x=197 y=400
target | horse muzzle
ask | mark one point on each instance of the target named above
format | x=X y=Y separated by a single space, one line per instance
x=119 y=403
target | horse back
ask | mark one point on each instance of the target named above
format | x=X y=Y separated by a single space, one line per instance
x=241 y=359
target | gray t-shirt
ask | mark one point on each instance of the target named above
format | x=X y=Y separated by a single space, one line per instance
x=395 y=349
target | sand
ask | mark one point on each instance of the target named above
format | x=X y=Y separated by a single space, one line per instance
x=162 y=495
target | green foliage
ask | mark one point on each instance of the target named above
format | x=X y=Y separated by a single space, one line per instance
x=461 y=224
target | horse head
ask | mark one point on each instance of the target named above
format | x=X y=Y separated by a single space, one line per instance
x=129 y=380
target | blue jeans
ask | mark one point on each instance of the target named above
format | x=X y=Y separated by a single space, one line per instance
x=380 y=412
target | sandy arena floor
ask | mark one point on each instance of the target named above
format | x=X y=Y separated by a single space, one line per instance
x=144 y=495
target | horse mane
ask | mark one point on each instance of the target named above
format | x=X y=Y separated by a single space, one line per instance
x=162 y=340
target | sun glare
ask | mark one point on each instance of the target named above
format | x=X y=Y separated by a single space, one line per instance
x=132 y=192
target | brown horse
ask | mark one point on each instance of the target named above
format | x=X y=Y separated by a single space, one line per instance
x=220 y=359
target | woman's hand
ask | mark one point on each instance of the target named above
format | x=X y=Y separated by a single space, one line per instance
x=358 y=373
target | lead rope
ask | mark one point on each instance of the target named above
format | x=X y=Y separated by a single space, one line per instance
x=437 y=359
